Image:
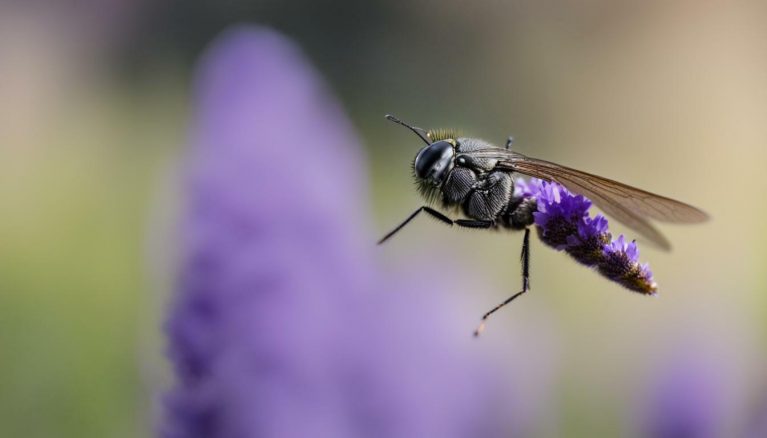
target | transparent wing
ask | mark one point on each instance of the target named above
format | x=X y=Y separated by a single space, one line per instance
x=626 y=204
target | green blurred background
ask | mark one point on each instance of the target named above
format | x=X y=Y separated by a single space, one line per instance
x=670 y=96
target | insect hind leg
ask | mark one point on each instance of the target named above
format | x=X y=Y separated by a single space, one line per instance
x=525 y=259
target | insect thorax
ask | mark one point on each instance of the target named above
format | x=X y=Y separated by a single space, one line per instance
x=469 y=153
x=474 y=187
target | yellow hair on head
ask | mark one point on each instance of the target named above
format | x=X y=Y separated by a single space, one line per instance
x=442 y=134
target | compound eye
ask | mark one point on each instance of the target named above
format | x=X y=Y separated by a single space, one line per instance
x=434 y=160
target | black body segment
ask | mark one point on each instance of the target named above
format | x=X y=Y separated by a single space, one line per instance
x=519 y=214
x=470 y=153
x=460 y=182
x=489 y=197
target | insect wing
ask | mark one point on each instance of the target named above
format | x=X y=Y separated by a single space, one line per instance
x=626 y=204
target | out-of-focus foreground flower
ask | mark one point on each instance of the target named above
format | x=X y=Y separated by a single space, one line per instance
x=564 y=223
x=687 y=397
x=282 y=324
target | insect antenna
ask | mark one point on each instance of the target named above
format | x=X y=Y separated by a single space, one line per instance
x=418 y=131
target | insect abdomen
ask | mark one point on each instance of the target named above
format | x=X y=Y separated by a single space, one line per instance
x=519 y=214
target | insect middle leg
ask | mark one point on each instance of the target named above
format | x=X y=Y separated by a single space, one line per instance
x=525 y=259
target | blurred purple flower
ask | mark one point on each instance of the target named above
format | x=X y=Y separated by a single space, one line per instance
x=686 y=399
x=282 y=325
x=756 y=420
x=564 y=223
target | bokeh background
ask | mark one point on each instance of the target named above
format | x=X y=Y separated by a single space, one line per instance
x=670 y=96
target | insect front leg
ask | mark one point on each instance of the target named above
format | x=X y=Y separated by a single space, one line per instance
x=469 y=223
x=525 y=259
x=434 y=213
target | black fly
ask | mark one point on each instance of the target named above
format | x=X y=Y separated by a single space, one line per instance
x=475 y=178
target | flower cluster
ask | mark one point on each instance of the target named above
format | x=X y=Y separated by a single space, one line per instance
x=564 y=223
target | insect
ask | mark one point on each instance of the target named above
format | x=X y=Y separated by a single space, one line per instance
x=473 y=177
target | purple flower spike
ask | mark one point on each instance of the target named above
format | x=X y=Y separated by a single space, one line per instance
x=560 y=214
x=621 y=265
x=528 y=187
x=563 y=222
x=282 y=325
